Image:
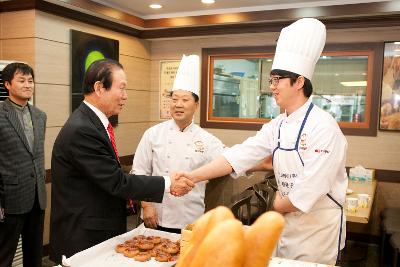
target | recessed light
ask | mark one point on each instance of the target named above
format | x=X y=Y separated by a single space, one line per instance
x=155 y=6
x=208 y=2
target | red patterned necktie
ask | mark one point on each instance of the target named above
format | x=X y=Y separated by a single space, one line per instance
x=110 y=131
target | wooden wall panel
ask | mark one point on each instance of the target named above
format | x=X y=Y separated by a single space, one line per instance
x=18 y=24
x=53 y=99
x=136 y=108
x=154 y=106
x=19 y=49
x=137 y=71
x=381 y=152
x=51 y=135
x=155 y=75
x=128 y=135
x=173 y=49
x=55 y=28
x=52 y=62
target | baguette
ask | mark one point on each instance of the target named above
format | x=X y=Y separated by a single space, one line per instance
x=201 y=228
x=260 y=239
x=222 y=247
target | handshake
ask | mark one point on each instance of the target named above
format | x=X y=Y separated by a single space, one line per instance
x=181 y=184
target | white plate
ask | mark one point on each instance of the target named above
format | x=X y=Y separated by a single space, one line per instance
x=349 y=191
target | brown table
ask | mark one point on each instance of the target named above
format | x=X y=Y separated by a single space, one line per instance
x=362 y=214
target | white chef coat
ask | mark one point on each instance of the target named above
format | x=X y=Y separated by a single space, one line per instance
x=322 y=156
x=163 y=150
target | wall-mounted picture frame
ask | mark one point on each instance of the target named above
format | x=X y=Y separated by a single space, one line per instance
x=390 y=94
x=85 y=49
x=168 y=69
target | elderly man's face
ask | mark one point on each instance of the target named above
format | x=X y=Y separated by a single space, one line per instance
x=114 y=99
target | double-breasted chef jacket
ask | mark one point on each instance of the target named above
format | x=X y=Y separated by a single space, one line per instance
x=163 y=150
x=309 y=155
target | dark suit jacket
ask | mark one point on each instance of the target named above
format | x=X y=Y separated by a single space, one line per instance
x=89 y=189
x=21 y=169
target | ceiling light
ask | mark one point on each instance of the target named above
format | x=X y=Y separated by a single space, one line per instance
x=208 y=2
x=155 y=6
x=355 y=83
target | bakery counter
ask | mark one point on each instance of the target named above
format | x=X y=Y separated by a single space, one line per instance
x=221 y=190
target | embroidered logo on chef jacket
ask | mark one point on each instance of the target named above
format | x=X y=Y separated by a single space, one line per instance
x=323 y=151
x=199 y=146
x=303 y=143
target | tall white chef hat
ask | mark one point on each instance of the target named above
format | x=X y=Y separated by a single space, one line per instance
x=299 y=47
x=188 y=76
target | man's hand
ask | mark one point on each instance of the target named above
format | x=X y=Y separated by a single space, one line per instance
x=150 y=215
x=180 y=185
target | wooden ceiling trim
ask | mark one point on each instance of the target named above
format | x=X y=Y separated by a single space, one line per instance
x=108 y=11
x=334 y=23
x=9 y=6
x=349 y=10
x=379 y=14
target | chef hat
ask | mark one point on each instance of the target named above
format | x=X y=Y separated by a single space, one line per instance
x=299 y=47
x=188 y=76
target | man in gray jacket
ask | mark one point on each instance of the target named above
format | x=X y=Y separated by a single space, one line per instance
x=22 y=174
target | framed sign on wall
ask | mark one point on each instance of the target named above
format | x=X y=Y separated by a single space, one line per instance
x=390 y=97
x=168 y=69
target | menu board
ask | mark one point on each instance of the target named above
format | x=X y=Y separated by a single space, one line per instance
x=168 y=69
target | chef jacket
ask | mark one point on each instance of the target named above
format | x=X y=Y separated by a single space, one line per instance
x=322 y=147
x=163 y=150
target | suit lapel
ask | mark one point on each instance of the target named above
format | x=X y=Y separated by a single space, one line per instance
x=99 y=125
x=12 y=116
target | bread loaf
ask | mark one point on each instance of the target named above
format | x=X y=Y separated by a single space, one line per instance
x=260 y=239
x=200 y=230
x=223 y=246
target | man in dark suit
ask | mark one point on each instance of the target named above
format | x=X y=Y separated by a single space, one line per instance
x=22 y=175
x=89 y=188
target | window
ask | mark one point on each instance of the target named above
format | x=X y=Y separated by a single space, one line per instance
x=346 y=84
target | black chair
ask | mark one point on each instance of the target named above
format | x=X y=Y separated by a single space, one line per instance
x=241 y=206
x=268 y=193
x=390 y=225
x=395 y=242
x=270 y=180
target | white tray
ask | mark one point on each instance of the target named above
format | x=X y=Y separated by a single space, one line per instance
x=104 y=255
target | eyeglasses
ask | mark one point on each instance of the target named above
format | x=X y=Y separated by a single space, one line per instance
x=275 y=80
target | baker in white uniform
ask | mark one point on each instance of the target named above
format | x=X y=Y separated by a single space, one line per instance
x=177 y=144
x=308 y=149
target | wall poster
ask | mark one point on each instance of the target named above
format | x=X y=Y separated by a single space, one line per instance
x=390 y=98
x=85 y=49
x=168 y=69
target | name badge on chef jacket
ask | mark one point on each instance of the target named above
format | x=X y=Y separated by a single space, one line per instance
x=199 y=146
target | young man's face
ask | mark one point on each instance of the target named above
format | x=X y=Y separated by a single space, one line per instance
x=21 y=87
x=286 y=94
x=183 y=106
x=281 y=90
x=113 y=100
